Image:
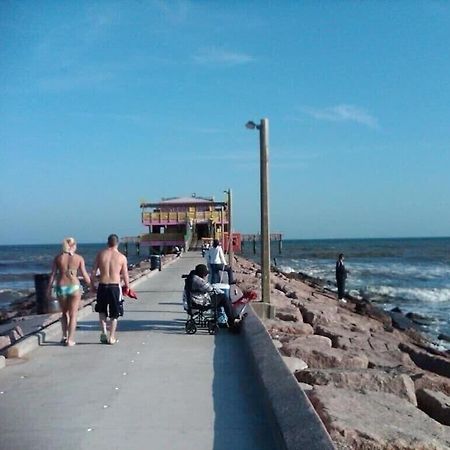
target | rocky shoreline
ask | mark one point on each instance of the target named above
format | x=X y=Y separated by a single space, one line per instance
x=374 y=379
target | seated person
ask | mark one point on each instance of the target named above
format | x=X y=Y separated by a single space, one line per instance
x=201 y=291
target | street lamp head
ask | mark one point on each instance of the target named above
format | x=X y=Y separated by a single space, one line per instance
x=251 y=125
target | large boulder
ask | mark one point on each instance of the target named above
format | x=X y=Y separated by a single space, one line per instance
x=294 y=364
x=427 y=361
x=431 y=381
x=317 y=352
x=435 y=404
x=316 y=312
x=368 y=309
x=277 y=327
x=362 y=380
x=341 y=336
x=289 y=313
x=4 y=341
x=376 y=420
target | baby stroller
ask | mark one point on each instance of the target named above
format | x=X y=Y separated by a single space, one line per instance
x=199 y=317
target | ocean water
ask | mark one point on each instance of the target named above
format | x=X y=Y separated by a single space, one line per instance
x=412 y=274
x=19 y=264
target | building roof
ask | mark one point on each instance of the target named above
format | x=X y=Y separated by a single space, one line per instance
x=183 y=201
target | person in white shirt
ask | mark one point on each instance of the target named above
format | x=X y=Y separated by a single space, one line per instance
x=216 y=260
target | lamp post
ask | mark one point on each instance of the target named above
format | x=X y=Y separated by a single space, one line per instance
x=263 y=128
x=230 y=229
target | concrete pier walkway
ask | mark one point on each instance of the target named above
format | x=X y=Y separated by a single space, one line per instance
x=157 y=388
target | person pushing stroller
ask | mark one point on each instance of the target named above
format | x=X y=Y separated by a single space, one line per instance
x=202 y=293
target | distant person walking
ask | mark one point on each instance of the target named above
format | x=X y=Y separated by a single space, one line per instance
x=341 y=276
x=68 y=289
x=112 y=267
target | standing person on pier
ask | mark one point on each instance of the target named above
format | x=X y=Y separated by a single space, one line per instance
x=216 y=260
x=341 y=276
x=112 y=266
x=68 y=289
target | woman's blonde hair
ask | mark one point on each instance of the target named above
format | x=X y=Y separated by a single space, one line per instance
x=68 y=243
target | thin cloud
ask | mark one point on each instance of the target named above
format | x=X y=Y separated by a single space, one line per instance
x=73 y=81
x=219 y=57
x=175 y=11
x=343 y=113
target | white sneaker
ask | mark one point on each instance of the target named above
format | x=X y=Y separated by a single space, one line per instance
x=342 y=301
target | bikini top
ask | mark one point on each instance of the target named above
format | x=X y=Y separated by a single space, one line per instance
x=71 y=272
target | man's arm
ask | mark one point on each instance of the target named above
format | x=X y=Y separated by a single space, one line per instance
x=94 y=274
x=222 y=256
x=124 y=273
x=205 y=286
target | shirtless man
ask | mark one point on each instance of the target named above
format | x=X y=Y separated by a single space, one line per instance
x=112 y=266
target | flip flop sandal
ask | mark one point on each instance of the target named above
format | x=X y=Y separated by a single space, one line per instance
x=112 y=341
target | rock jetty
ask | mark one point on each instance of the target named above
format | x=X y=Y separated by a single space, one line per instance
x=375 y=380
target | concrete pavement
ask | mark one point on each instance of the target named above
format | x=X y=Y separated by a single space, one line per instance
x=158 y=388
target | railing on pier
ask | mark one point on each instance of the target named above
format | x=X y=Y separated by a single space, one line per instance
x=179 y=217
x=254 y=238
x=157 y=240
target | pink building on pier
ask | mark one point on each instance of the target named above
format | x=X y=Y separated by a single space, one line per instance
x=185 y=222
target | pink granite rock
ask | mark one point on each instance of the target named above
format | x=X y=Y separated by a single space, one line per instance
x=431 y=381
x=316 y=351
x=289 y=314
x=376 y=420
x=318 y=313
x=278 y=327
x=435 y=404
x=4 y=341
x=426 y=360
x=294 y=364
x=374 y=380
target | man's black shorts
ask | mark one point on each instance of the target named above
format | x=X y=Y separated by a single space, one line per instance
x=108 y=300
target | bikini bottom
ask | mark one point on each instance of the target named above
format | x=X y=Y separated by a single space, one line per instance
x=66 y=290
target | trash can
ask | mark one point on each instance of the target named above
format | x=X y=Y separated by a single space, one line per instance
x=155 y=262
x=43 y=305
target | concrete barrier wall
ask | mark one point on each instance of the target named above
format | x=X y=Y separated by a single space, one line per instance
x=296 y=423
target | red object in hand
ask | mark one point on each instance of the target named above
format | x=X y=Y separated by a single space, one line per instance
x=247 y=296
x=128 y=292
x=250 y=295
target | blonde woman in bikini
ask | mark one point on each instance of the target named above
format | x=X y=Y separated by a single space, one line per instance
x=68 y=289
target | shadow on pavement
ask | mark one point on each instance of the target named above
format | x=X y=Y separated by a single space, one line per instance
x=166 y=326
x=240 y=422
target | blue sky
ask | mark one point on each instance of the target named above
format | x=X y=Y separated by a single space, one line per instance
x=105 y=104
